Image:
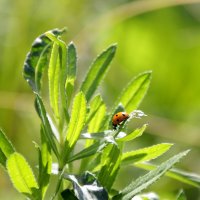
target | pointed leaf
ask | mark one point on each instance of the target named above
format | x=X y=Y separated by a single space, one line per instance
x=89 y=151
x=146 y=196
x=111 y=160
x=37 y=60
x=57 y=78
x=185 y=177
x=53 y=76
x=2 y=158
x=95 y=104
x=96 y=136
x=21 y=174
x=143 y=182
x=45 y=164
x=145 y=154
x=134 y=92
x=63 y=73
x=76 y=122
x=71 y=71
x=177 y=174
x=97 y=71
x=6 y=148
x=59 y=183
x=136 y=133
x=46 y=125
x=95 y=123
x=181 y=195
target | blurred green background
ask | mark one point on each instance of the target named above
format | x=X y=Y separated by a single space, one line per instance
x=151 y=35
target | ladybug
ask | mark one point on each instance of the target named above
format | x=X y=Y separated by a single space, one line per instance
x=118 y=118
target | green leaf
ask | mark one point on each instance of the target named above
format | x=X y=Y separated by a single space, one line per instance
x=97 y=71
x=95 y=120
x=95 y=123
x=21 y=174
x=145 y=154
x=57 y=78
x=181 y=195
x=110 y=164
x=177 y=174
x=87 y=187
x=45 y=164
x=71 y=71
x=77 y=121
x=98 y=111
x=143 y=182
x=185 y=177
x=59 y=183
x=96 y=136
x=2 y=159
x=37 y=60
x=92 y=148
x=133 y=94
x=53 y=76
x=6 y=148
x=46 y=124
x=95 y=104
x=89 y=151
x=146 y=196
x=63 y=74
x=136 y=133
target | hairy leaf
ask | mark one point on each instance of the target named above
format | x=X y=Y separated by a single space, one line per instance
x=133 y=94
x=6 y=148
x=21 y=174
x=71 y=71
x=57 y=77
x=145 y=154
x=45 y=164
x=110 y=164
x=89 y=151
x=96 y=136
x=181 y=195
x=46 y=124
x=37 y=60
x=53 y=76
x=146 y=196
x=97 y=71
x=177 y=174
x=95 y=104
x=136 y=133
x=77 y=121
x=95 y=123
x=143 y=182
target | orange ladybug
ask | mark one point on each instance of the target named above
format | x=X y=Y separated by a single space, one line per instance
x=118 y=118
